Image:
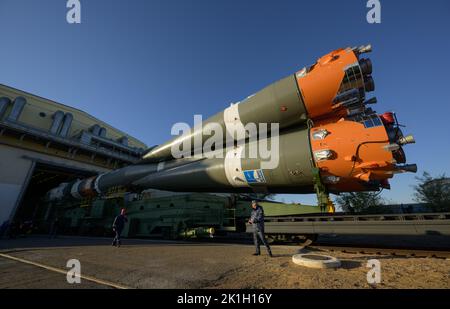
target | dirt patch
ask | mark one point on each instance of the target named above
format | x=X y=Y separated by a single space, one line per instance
x=281 y=272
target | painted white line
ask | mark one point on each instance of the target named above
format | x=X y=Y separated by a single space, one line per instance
x=64 y=272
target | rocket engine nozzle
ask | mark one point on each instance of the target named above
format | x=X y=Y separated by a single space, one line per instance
x=369 y=84
x=412 y=168
x=364 y=49
x=366 y=66
x=404 y=140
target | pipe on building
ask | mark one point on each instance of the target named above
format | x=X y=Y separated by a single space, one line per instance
x=19 y=104
x=66 y=124
x=57 y=119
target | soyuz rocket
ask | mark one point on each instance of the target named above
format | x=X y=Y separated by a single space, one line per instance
x=326 y=137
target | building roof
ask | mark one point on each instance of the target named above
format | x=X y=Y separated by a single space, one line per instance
x=38 y=113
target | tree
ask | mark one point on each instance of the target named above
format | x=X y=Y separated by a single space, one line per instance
x=361 y=202
x=434 y=192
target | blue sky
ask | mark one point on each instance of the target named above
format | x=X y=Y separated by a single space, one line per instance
x=143 y=65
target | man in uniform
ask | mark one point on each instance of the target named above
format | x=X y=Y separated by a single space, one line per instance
x=118 y=225
x=257 y=220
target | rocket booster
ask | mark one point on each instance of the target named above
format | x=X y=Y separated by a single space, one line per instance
x=351 y=155
x=327 y=89
x=323 y=124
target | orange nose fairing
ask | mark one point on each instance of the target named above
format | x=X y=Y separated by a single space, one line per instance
x=320 y=83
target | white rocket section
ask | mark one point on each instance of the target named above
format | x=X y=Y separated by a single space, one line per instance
x=233 y=167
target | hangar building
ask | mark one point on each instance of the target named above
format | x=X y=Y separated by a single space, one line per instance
x=44 y=143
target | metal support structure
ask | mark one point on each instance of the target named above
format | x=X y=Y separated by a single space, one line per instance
x=323 y=197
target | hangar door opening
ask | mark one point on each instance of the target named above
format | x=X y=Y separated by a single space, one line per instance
x=33 y=209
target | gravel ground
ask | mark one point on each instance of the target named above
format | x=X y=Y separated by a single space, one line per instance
x=163 y=264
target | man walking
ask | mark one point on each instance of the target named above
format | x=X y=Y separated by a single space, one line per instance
x=257 y=220
x=118 y=225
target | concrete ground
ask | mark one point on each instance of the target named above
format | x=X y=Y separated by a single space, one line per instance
x=170 y=264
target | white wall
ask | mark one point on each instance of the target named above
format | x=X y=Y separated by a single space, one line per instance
x=8 y=198
x=15 y=165
x=13 y=173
